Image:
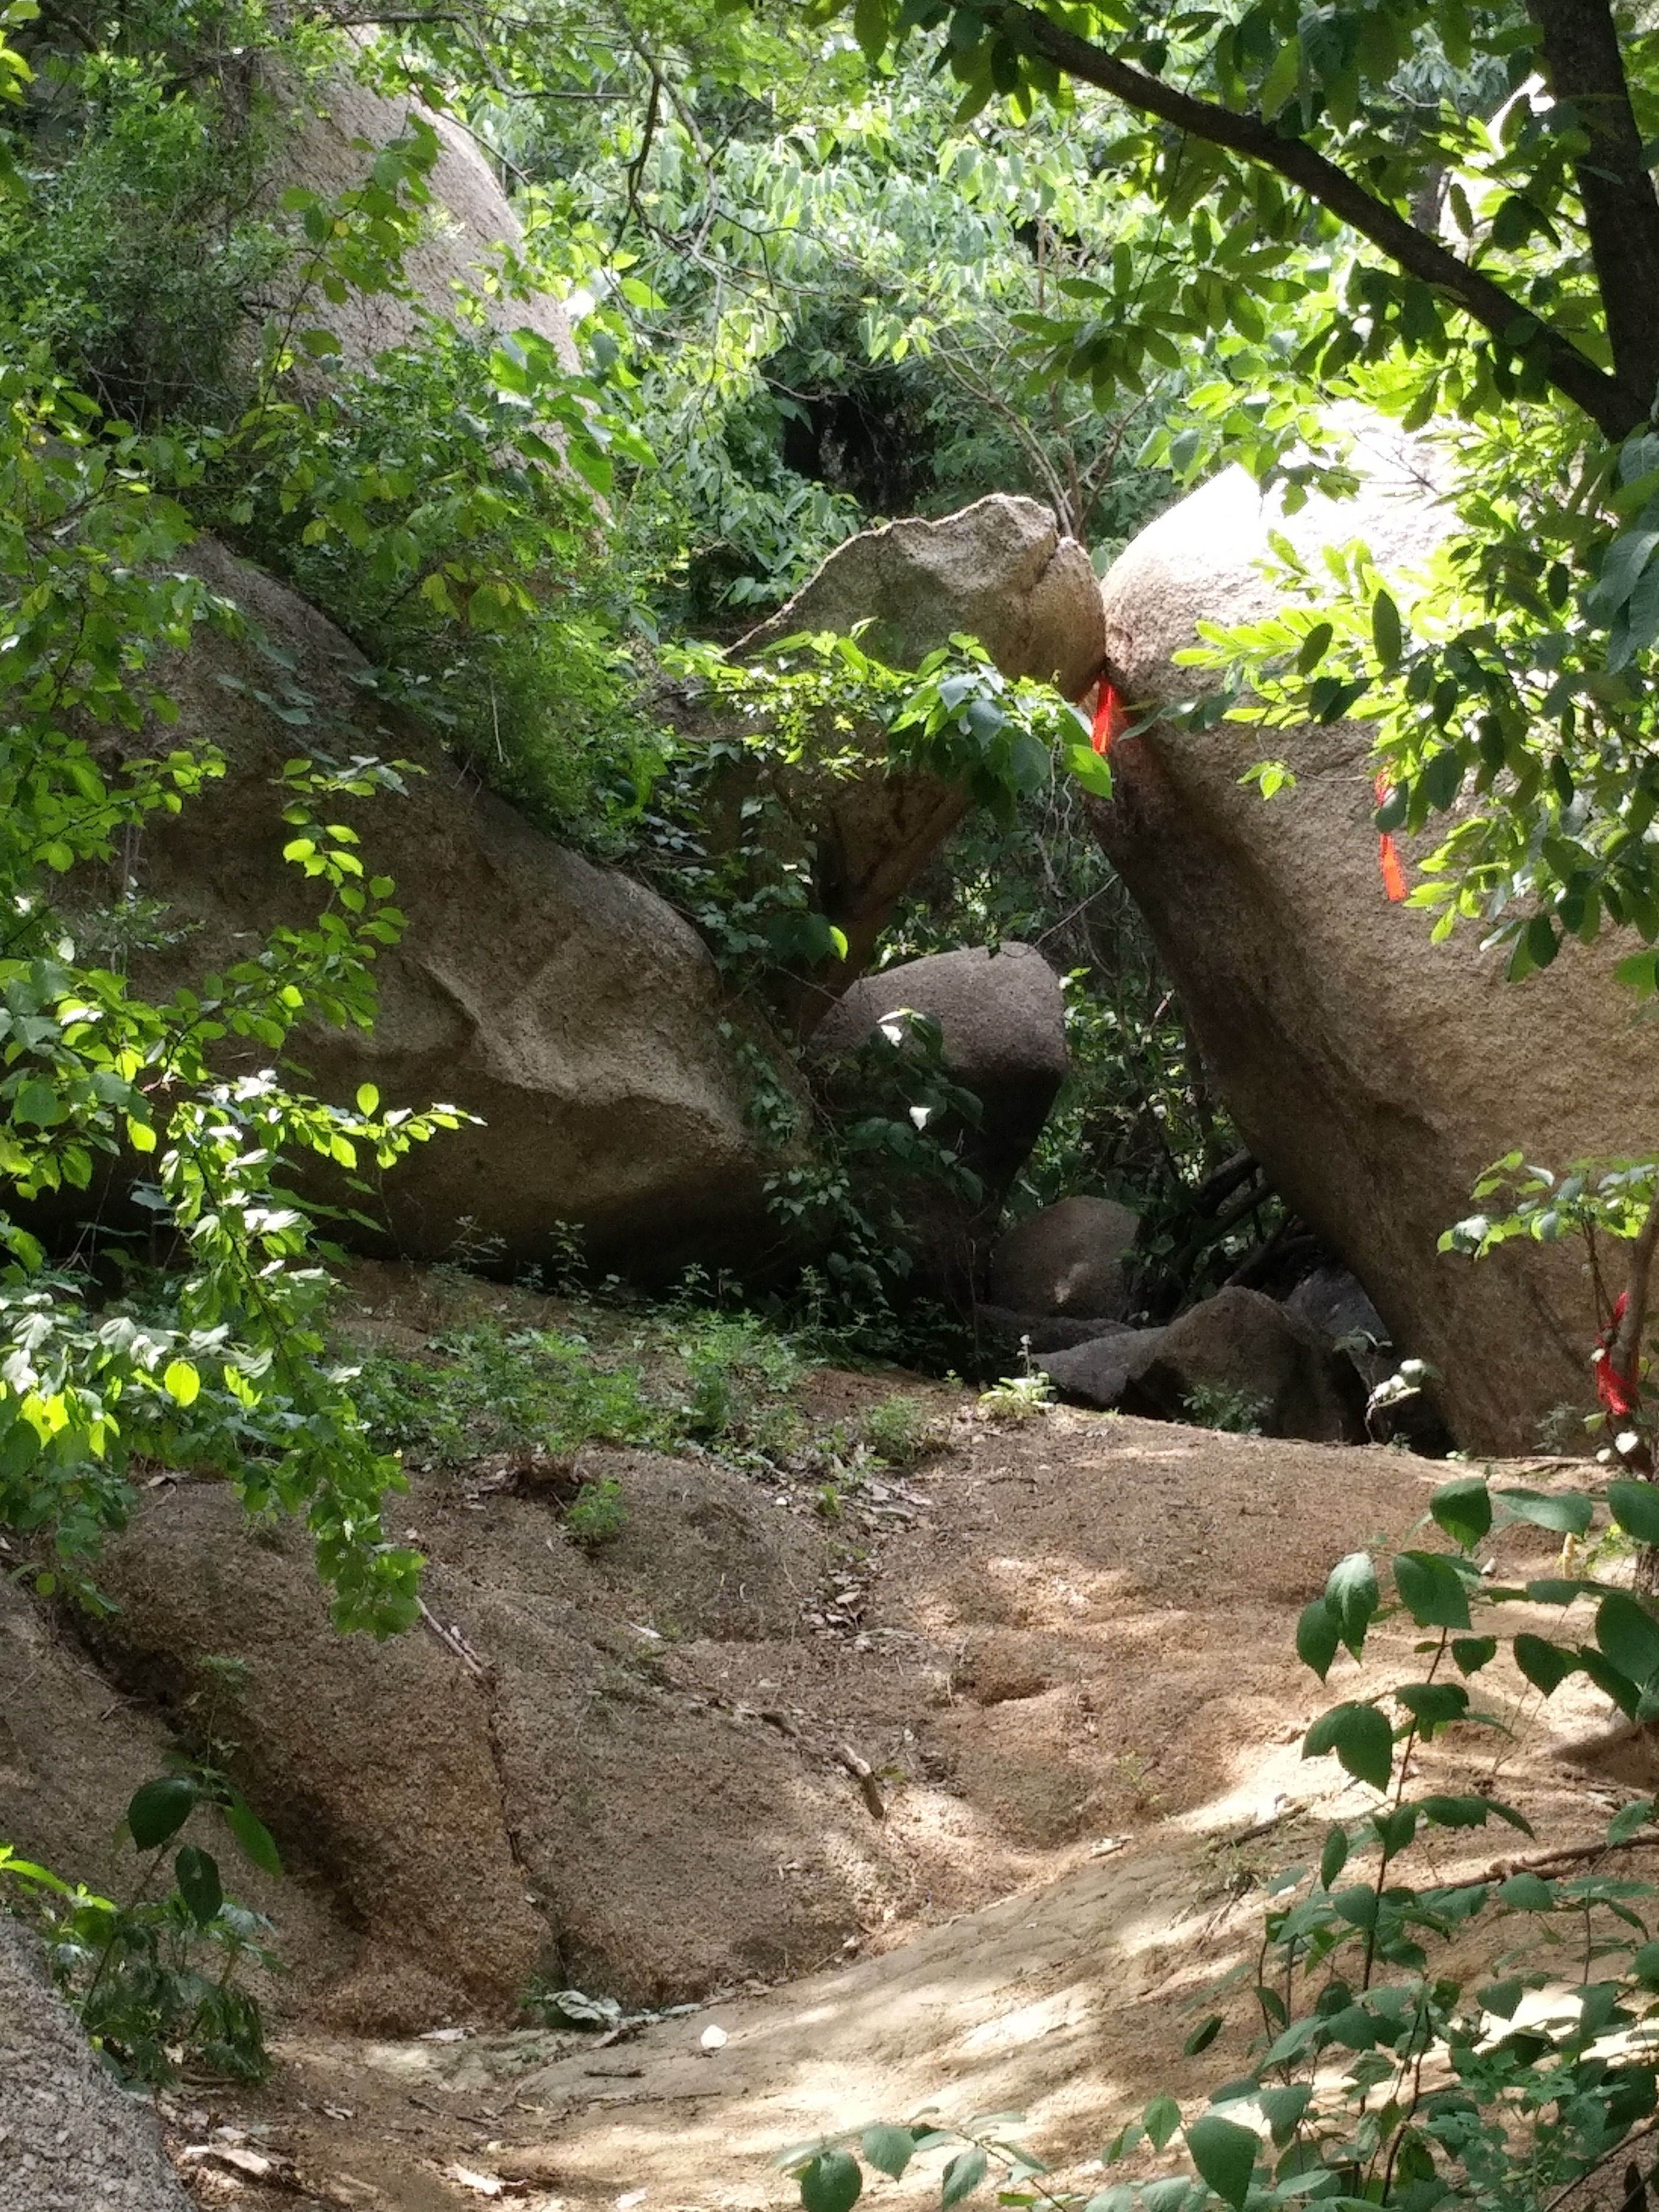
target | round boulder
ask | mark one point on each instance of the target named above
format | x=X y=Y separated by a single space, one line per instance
x=1002 y=1019
x=1067 y=1259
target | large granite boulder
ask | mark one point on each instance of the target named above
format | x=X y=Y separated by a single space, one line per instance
x=1372 y=1073
x=1002 y=1025
x=999 y=570
x=567 y=1006
x=470 y=231
x=1067 y=1259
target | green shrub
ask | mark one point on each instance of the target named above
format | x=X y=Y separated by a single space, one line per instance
x=899 y=1431
x=1387 y=2068
x=486 y=1390
x=155 y=1981
x=1217 y=1405
x=596 y=1514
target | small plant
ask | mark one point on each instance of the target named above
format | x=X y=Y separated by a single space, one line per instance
x=1017 y=1398
x=497 y=1390
x=1493 y=2077
x=596 y=1514
x=1217 y=1405
x=899 y=1431
x=154 y=1980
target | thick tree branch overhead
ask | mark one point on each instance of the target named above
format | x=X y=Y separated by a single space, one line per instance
x=1585 y=71
x=1615 y=403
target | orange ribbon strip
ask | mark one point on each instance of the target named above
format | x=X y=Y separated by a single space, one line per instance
x=1388 y=853
x=1109 y=719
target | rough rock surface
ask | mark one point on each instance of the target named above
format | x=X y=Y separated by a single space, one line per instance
x=1099 y=1371
x=569 y=1007
x=1272 y=1362
x=1000 y=1328
x=375 y=1760
x=72 y=1752
x=1375 y=1075
x=1334 y=1301
x=560 y=1814
x=70 y=2139
x=341 y=129
x=1067 y=1259
x=1255 y=1351
x=1002 y=1017
x=999 y=570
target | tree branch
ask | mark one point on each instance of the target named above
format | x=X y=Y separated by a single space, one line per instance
x=1602 y=396
x=1586 y=72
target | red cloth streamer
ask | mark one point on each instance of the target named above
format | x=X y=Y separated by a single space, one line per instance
x=1618 y=1393
x=1388 y=853
x=1109 y=719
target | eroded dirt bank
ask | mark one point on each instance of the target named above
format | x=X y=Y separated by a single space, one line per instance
x=1063 y=1647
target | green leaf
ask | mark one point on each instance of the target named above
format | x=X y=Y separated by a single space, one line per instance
x=1629 y=1635
x=1635 y=1507
x=1202 y=2036
x=1546 y=1665
x=1092 y=769
x=181 y=1382
x=1431 y=1589
x=1567 y=1514
x=831 y=2182
x=1354 y=1597
x=1314 y=647
x=1433 y=1705
x=1316 y=1637
x=1629 y=1819
x=251 y=1833
x=1361 y=1738
x=1160 y=2119
x=1472 y=1653
x=197 y=1876
x=1528 y=1892
x=369 y=1098
x=1386 y=634
x=871 y=22
x=890 y=2150
x=1464 y=1508
x=159 y=1809
x=1333 y=1857
x=1224 y=2155
x=962 y=2176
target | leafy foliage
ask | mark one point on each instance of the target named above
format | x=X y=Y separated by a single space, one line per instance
x=1378 y=2076
x=155 y=1981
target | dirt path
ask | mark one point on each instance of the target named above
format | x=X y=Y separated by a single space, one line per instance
x=1079 y=1647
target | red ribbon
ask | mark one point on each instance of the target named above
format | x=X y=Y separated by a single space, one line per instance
x=1388 y=853
x=1109 y=719
x=1618 y=1393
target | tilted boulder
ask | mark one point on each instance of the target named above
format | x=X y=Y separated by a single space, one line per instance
x=1002 y=1027
x=1373 y=1074
x=1067 y=1259
x=1099 y=1371
x=567 y=1006
x=1238 y=1355
x=999 y=570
